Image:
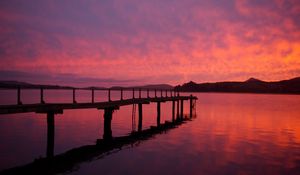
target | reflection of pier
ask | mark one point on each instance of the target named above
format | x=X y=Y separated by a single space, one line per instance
x=108 y=106
x=67 y=161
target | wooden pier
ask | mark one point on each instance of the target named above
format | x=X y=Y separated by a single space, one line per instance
x=109 y=106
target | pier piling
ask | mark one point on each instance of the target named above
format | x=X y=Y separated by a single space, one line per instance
x=191 y=106
x=177 y=118
x=107 y=134
x=181 y=110
x=158 y=114
x=50 y=134
x=173 y=110
x=140 y=122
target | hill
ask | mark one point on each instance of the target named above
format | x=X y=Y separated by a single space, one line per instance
x=251 y=85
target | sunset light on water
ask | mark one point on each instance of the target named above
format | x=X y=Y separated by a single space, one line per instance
x=188 y=87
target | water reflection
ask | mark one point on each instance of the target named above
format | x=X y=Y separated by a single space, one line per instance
x=67 y=161
x=233 y=134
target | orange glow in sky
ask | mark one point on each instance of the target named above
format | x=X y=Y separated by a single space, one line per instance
x=141 y=42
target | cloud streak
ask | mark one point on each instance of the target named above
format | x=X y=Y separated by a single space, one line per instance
x=156 y=42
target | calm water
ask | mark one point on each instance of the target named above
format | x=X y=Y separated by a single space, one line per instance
x=232 y=134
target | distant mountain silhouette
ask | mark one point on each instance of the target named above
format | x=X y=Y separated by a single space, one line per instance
x=251 y=85
x=16 y=84
x=156 y=86
x=253 y=80
x=150 y=87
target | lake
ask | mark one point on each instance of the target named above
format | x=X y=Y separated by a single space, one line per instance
x=232 y=134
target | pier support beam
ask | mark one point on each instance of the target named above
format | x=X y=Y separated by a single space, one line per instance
x=107 y=133
x=178 y=116
x=50 y=129
x=50 y=134
x=140 y=124
x=191 y=106
x=181 y=110
x=158 y=114
x=173 y=110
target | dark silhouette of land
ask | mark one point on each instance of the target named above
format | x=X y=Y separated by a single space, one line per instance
x=252 y=85
x=24 y=85
x=151 y=86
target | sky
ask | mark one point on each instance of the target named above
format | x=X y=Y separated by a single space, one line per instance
x=134 y=42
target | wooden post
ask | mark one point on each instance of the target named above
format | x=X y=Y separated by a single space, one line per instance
x=181 y=110
x=191 y=106
x=109 y=99
x=158 y=114
x=107 y=133
x=140 y=93
x=121 y=93
x=74 y=96
x=140 y=117
x=93 y=98
x=161 y=93
x=177 y=109
x=19 y=96
x=50 y=134
x=133 y=93
x=147 y=93
x=42 y=96
x=173 y=110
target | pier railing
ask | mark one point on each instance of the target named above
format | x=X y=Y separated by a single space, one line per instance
x=158 y=93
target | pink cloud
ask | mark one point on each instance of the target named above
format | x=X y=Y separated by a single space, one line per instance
x=157 y=42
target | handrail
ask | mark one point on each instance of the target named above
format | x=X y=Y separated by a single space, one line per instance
x=42 y=88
